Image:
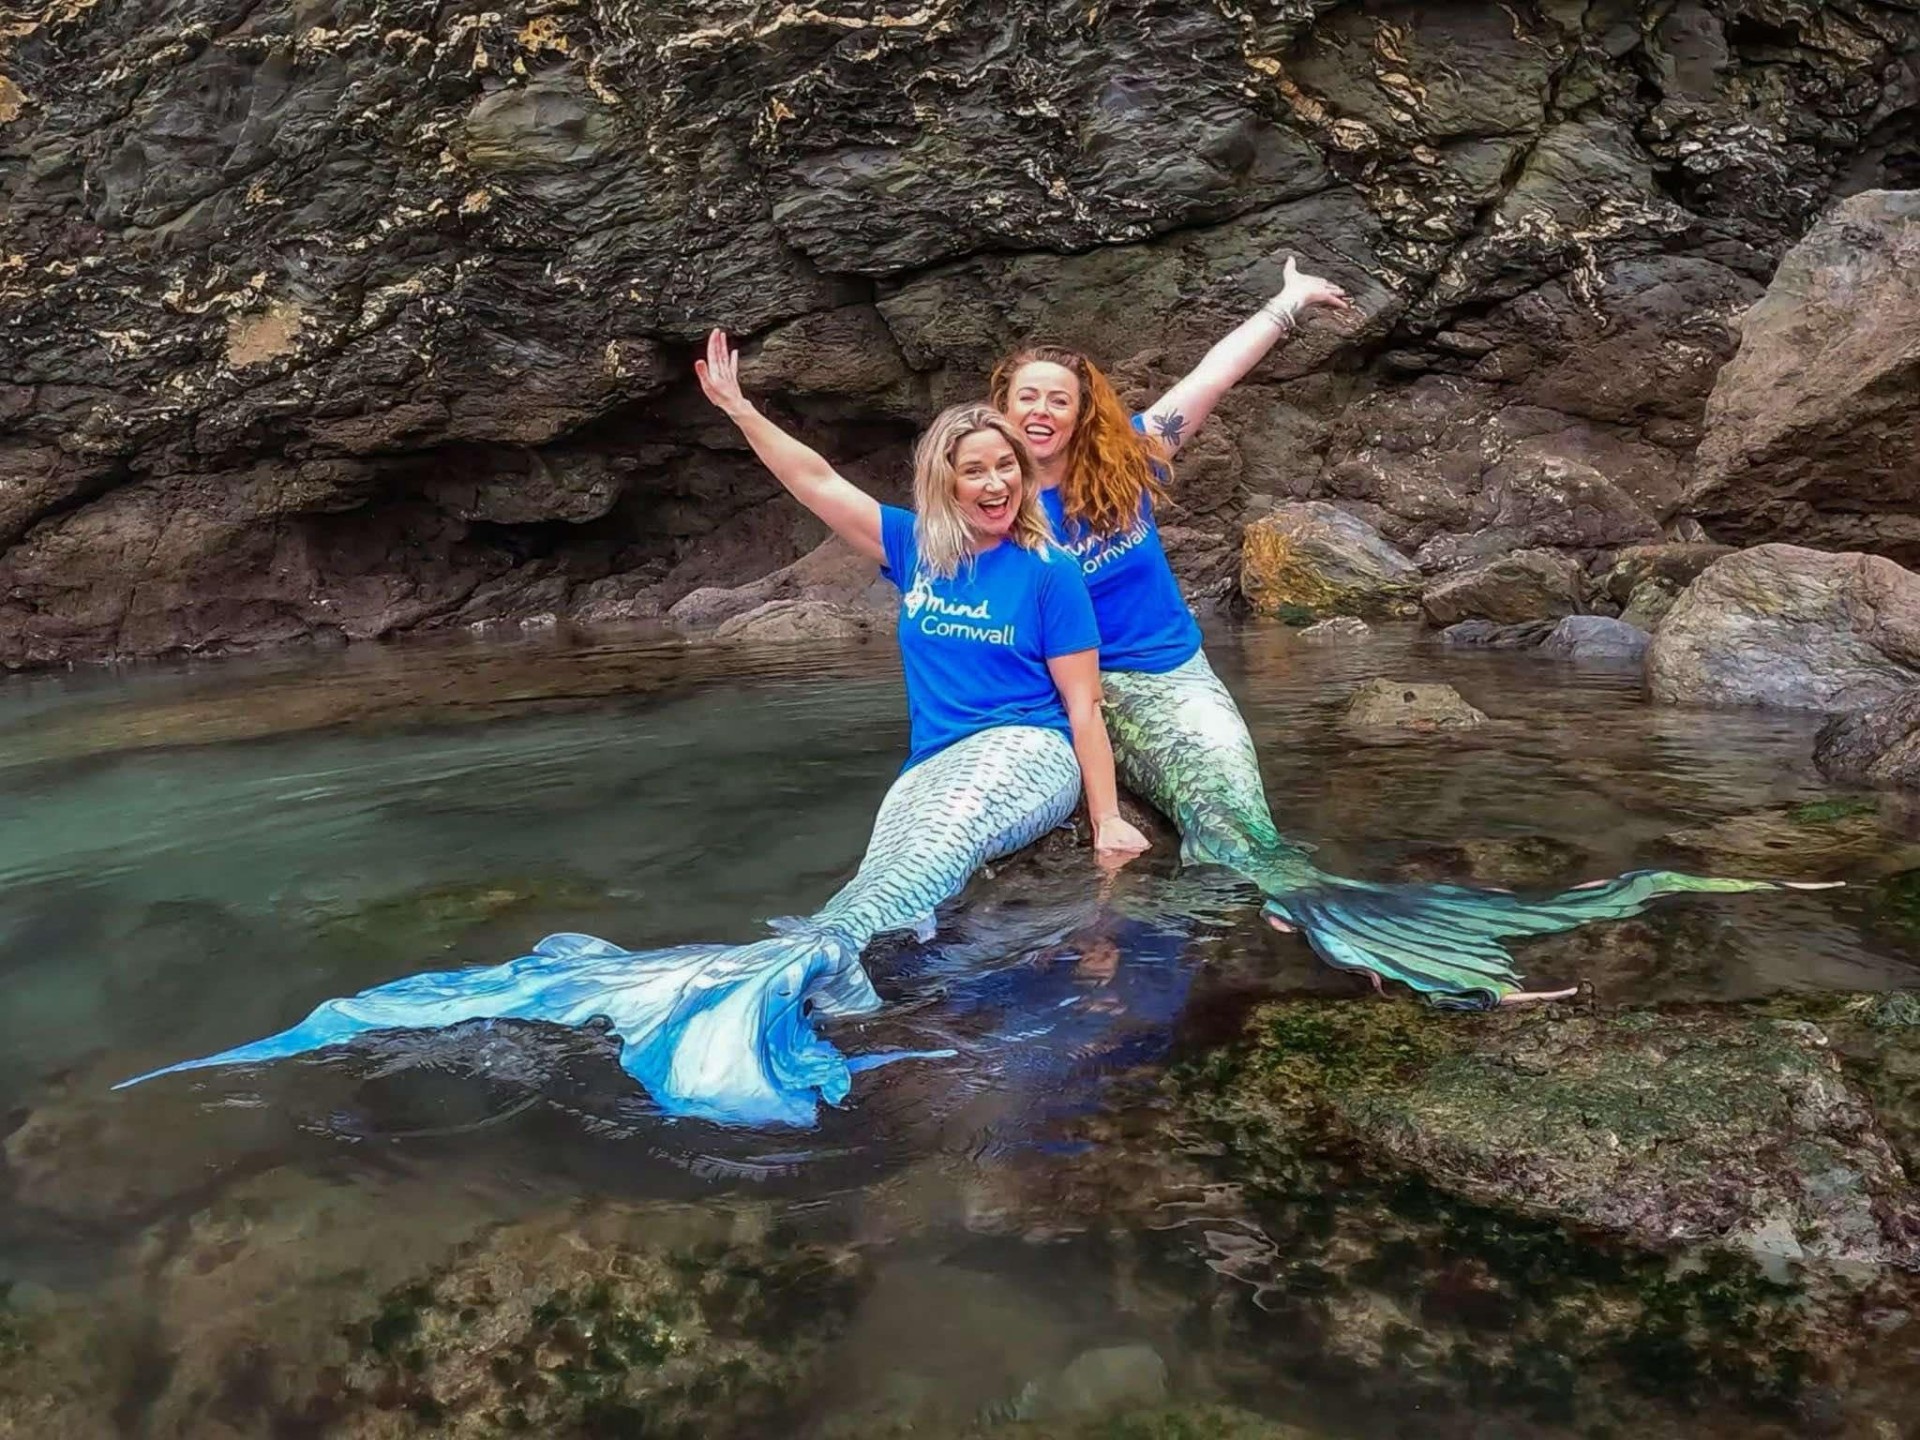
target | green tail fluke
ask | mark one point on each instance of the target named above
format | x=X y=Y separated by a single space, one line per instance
x=1445 y=940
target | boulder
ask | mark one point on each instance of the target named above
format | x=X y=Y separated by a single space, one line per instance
x=1404 y=705
x=832 y=573
x=1595 y=637
x=1312 y=560
x=781 y=622
x=1786 y=626
x=1876 y=746
x=1813 y=428
x=1526 y=585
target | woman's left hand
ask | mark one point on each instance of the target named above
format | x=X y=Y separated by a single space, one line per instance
x=1116 y=841
x=1303 y=292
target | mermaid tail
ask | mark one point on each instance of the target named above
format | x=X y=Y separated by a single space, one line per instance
x=726 y=1032
x=1180 y=743
x=1444 y=940
x=722 y=1032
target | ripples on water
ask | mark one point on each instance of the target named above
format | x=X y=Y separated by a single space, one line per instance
x=191 y=858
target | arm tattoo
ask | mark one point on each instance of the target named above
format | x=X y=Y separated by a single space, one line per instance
x=1171 y=428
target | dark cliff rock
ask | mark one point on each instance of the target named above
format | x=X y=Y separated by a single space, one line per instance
x=351 y=316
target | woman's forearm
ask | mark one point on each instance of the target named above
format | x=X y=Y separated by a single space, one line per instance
x=1184 y=408
x=803 y=470
x=1095 y=753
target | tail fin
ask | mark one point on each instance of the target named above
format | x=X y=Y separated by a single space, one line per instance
x=718 y=1032
x=1445 y=940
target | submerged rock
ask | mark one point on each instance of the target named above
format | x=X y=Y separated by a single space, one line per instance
x=1876 y=746
x=1404 y=705
x=1339 y=630
x=1486 y=635
x=1659 y=1128
x=583 y=1323
x=1781 y=625
x=1311 y=560
x=1595 y=638
x=1818 y=840
x=1811 y=432
x=1526 y=585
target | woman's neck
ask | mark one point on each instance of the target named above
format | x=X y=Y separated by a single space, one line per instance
x=1051 y=474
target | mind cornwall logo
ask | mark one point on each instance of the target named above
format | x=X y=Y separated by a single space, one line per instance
x=947 y=618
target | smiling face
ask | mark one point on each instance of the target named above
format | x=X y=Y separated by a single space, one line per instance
x=986 y=484
x=1043 y=402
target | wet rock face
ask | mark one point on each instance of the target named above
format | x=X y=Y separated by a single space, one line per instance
x=1813 y=429
x=356 y=316
x=1786 y=626
x=1876 y=746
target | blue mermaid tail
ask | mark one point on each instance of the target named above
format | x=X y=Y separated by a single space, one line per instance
x=727 y=1032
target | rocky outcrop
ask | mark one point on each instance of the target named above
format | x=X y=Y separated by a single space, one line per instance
x=1311 y=561
x=1782 y=625
x=1876 y=746
x=1645 y=580
x=1526 y=585
x=356 y=316
x=1813 y=428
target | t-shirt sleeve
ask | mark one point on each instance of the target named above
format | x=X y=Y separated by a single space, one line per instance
x=1066 y=610
x=896 y=538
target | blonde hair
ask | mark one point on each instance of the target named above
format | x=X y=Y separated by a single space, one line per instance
x=1111 y=467
x=940 y=530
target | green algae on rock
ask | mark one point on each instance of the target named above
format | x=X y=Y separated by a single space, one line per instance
x=1672 y=1221
x=1660 y=1128
x=597 y=1323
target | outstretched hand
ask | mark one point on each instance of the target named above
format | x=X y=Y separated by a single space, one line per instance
x=1303 y=292
x=719 y=374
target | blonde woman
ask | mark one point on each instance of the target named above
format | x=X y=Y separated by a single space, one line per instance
x=998 y=642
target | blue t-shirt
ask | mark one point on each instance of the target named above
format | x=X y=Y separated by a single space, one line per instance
x=1144 y=620
x=975 y=647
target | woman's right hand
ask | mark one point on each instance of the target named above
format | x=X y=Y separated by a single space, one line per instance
x=719 y=375
x=1116 y=840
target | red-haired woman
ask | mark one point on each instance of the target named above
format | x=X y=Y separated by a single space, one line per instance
x=1178 y=738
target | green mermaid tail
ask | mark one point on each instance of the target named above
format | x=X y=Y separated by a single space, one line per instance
x=1180 y=744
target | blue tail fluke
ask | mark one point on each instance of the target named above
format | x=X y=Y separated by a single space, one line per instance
x=717 y=1032
x=1445 y=940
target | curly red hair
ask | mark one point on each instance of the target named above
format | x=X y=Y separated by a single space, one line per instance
x=1111 y=467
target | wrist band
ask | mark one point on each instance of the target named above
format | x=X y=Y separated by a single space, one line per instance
x=1280 y=313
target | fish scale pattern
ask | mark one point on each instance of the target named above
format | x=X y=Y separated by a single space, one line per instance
x=1180 y=743
x=727 y=1032
x=988 y=795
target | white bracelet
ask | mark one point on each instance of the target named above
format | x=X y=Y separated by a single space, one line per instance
x=1280 y=312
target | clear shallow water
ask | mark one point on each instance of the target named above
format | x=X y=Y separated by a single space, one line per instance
x=193 y=858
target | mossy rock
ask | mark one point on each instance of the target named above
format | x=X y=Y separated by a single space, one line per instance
x=592 y=1325
x=1652 y=1126
x=1495 y=1212
x=1822 y=839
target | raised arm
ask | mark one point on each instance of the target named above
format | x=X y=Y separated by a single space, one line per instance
x=1077 y=676
x=848 y=511
x=1185 y=408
